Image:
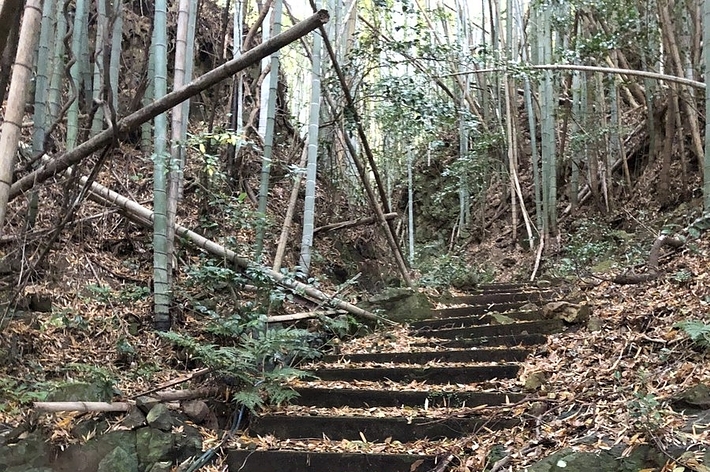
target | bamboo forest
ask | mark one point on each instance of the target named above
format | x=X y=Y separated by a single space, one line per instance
x=354 y=235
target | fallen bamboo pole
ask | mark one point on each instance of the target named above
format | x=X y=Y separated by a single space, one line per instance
x=350 y=223
x=143 y=216
x=82 y=407
x=302 y=316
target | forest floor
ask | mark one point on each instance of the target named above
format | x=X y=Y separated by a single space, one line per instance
x=610 y=384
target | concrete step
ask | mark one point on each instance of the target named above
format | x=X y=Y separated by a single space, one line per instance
x=505 y=297
x=490 y=341
x=432 y=375
x=308 y=461
x=462 y=335
x=461 y=355
x=475 y=320
x=524 y=327
x=473 y=310
x=373 y=429
x=366 y=398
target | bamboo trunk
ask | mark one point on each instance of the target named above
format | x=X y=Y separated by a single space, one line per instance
x=134 y=120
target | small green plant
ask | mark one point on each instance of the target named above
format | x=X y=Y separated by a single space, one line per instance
x=16 y=393
x=646 y=410
x=66 y=319
x=209 y=275
x=698 y=331
x=341 y=326
x=106 y=295
x=133 y=293
x=259 y=365
x=699 y=226
x=100 y=293
x=94 y=374
x=145 y=370
x=683 y=276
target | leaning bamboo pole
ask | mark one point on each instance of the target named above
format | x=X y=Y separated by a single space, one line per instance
x=134 y=120
x=143 y=216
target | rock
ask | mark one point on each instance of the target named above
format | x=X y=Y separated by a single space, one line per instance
x=31 y=452
x=86 y=428
x=188 y=444
x=159 y=417
x=196 y=410
x=88 y=457
x=568 y=460
x=146 y=403
x=161 y=467
x=568 y=312
x=694 y=398
x=154 y=445
x=80 y=392
x=537 y=408
x=535 y=381
x=595 y=324
x=499 y=319
x=529 y=307
x=401 y=304
x=118 y=460
x=134 y=419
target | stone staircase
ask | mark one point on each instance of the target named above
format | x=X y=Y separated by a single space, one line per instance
x=467 y=345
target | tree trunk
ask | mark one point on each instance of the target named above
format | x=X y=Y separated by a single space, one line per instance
x=706 y=156
x=267 y=120
x=285 y=229
x=10 y=18
x=664 y=184
x=309 y=205
x=15 y=110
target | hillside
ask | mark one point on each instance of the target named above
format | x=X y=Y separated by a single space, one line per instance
x=429 y=156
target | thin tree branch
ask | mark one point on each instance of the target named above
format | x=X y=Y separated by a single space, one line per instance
x=608 y=70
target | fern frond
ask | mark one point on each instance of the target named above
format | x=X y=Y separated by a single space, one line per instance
x=250 y=398
x=281 y=374
x=698 y=331
x=278 y=394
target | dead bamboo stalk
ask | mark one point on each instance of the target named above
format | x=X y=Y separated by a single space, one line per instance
x=278 y=258
x=605 y=70
x=302 y=316
x=389 y=229
x=350 y=223
x=81 y=407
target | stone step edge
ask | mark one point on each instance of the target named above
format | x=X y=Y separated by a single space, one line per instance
x=512 y=354
x=309 y=461
x=329 y=397
x=375 y=429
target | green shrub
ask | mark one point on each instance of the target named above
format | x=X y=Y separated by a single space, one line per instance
x=450 y=270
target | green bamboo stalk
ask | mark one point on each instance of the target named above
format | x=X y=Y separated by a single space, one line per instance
x=309 y=205
x=161 y=257
x=270 y=119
